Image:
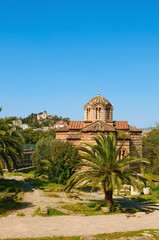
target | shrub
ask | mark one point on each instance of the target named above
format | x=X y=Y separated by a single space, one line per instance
x=42 y=151
x=55 y=159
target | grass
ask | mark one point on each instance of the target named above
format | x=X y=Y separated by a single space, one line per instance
x=152 y=197
x=118 y=235
x=20 y=214
x=106 y=236
x=54 y=195
x=49 y=212
x=11 y=193
x=89 y=209
x=44 y=184
x=25 y=175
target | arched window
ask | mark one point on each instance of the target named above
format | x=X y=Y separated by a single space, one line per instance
x=122 y=153
x=98 y=113
x=88 y=114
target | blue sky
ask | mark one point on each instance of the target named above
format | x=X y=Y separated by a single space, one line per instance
x=54 y=55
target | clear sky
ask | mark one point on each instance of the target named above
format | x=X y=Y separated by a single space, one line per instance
x=55 y=54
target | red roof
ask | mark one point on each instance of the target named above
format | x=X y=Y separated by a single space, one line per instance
x=122 y=125
x=76 y=125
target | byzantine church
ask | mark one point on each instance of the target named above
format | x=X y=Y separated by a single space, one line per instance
x=98 y=118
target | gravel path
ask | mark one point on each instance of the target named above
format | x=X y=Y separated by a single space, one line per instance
x=14 y=226
x=23 y=227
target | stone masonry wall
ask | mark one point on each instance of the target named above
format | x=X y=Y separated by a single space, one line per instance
x=136 y=144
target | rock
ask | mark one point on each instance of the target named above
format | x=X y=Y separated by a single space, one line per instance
x=105 y=209
x=43 y=210
x=73 y=195
x=147 y=234
x=138 y=238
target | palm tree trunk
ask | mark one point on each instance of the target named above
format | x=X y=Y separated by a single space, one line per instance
x=108 y=198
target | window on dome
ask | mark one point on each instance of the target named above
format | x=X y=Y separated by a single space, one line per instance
x=88 y=114
x=98 y=113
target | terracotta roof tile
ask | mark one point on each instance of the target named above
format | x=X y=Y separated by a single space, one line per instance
x=76 y=125
x=134 y=129
x=121 y=125
x=98 y=127
x=62 y=129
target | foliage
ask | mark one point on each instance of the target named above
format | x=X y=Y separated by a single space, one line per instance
x=49 y=212
x=130 y=235
x=20 y=214
x=122 y=135
x=103 y=167
x=45 y=184
x=151 y=151
x=84 y=208
x=32 y=121
x=9 y=195
x=32 y=137
x=43 y=151
x=60 y=167
x=55 y=159
x=91 y=208
x=10 y=144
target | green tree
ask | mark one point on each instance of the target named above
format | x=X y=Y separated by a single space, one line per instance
x=101 y=165
x=32 y=137
x=61 y=166
x=151 y=150
x=10 y=144
x=55 y=159
x=31 y=120
x=42 y=151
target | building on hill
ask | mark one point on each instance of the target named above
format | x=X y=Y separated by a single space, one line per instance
x=19 y=123
x=60 y=124
x=43 y=116
x=98 y=118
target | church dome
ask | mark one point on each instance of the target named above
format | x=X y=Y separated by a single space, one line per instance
x=98 y=108
x=98 y=99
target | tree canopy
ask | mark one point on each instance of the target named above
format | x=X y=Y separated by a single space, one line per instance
x=151 y=150
x=55 y=159
x=10 y=144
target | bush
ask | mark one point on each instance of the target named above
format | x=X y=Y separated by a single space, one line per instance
x=151 y=151
x=55 y=159
x=42 y=151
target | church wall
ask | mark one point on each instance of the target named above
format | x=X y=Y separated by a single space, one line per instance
x=126 y=145
x=62 y=136
x=136 y=144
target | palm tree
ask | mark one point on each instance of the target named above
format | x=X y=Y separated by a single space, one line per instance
x=101 y=165
x=10 y=144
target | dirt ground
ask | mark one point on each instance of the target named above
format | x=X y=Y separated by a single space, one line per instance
x=13 y=226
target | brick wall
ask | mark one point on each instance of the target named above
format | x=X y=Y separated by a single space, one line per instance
x=136 y=144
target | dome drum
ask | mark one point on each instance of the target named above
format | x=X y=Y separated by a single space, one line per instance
x=98 y=108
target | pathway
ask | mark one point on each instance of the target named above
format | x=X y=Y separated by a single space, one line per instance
x=13 y=226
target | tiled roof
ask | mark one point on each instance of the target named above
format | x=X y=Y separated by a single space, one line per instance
x=74 y=137
x=62 y=129
x=134 y=129
x=98 y=99
x=76 y=125
x=98 y=127
x=121 y=125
